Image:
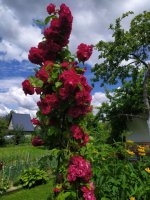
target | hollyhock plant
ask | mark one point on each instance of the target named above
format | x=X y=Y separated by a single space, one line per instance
x=64 y=101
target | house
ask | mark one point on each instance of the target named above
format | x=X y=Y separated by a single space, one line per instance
x=21 y=121
x=139 y=129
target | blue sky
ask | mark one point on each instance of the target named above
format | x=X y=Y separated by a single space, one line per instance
x=18 y=34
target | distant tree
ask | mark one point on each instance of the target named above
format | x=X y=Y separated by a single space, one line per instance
x=3 y=129
x=125 y=59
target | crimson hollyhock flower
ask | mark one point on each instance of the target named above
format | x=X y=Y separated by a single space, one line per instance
x=85 y=84
x=56 y=190
x=77 y=132
x=85 y=139
x=84 y=52
x=70 y=79
x=74 y=112
x=38 y=90
x=45 y=107
x=65 y=65
x=35 y=56
x=37 y=141
x=79 y=168
x=35 y=121
x=42 y=75
x=83 y=97
x=63 y=93
x=27 y=87
x=88 y=192
x=52 y=99
x=51 y=8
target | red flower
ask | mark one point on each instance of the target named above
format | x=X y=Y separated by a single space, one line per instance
x=79 y=168
x=51 y=8
x=56 y=190
x=70 y=79
x=42 y=75
x=35 y=56
x=83 y=97
x=27 y=87
x=37 y=141
x=84 y=52
x=48 y=103
x=85 y=139
x=75 y=112
x=88 y=192
x=65 y=65
x=38 y=90
x=35 y=121
x=77 y=132
x=63 y=93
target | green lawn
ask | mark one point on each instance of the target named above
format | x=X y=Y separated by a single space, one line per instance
x=17 y=158
x=21 y=152
x=37 y=193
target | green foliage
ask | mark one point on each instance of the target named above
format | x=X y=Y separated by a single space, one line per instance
x=3 y=130
x=124 y=61
x=4 y=185
x=126 y=45
x=118 y=175
x=33 y=177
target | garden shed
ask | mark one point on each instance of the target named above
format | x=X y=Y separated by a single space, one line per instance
x=140 y=130
x=21 y=121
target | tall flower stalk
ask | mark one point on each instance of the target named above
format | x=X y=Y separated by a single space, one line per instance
x=64 y=101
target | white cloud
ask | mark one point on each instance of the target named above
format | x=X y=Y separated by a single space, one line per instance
x=97 y=99
x=17 y=38
x=15 y=99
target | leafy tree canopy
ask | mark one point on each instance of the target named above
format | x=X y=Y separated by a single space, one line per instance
x=125 y=59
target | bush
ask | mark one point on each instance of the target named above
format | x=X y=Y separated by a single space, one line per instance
x=33 y=177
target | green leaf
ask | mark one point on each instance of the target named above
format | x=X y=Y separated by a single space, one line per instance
x=49 y=18
x=58 y=84
x=39 y=22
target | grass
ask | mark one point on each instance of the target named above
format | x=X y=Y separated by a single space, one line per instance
x=16 y=158
x=37 y=193
x=9 y=154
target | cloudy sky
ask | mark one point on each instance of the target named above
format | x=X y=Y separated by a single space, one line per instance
x=18 y=34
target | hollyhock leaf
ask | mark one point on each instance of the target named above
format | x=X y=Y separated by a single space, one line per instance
x=39 y=22
x=39 y=83
x=57 y=65
x=80 y=87
x=54 y=75
x=35 y=82
x=58 y=84
x=49 y=18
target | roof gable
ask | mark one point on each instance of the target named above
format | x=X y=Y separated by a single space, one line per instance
x=22 y=121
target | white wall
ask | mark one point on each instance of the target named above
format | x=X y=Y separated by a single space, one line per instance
x=10 y=127
x=139 y=130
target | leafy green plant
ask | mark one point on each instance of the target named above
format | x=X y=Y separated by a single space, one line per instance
x=33 y=177
x=4 y=185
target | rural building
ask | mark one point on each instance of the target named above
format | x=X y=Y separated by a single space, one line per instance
x=140 y=130
x=21 y=121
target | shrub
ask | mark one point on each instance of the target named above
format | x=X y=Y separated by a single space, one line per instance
x=33 y=177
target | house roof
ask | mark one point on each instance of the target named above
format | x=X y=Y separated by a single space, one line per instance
x=22 y=121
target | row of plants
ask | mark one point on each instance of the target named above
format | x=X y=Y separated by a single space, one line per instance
x=15 y=159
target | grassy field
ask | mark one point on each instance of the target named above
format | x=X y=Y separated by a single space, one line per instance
x=11 y=153
x=38 y=193
x=17 y=158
